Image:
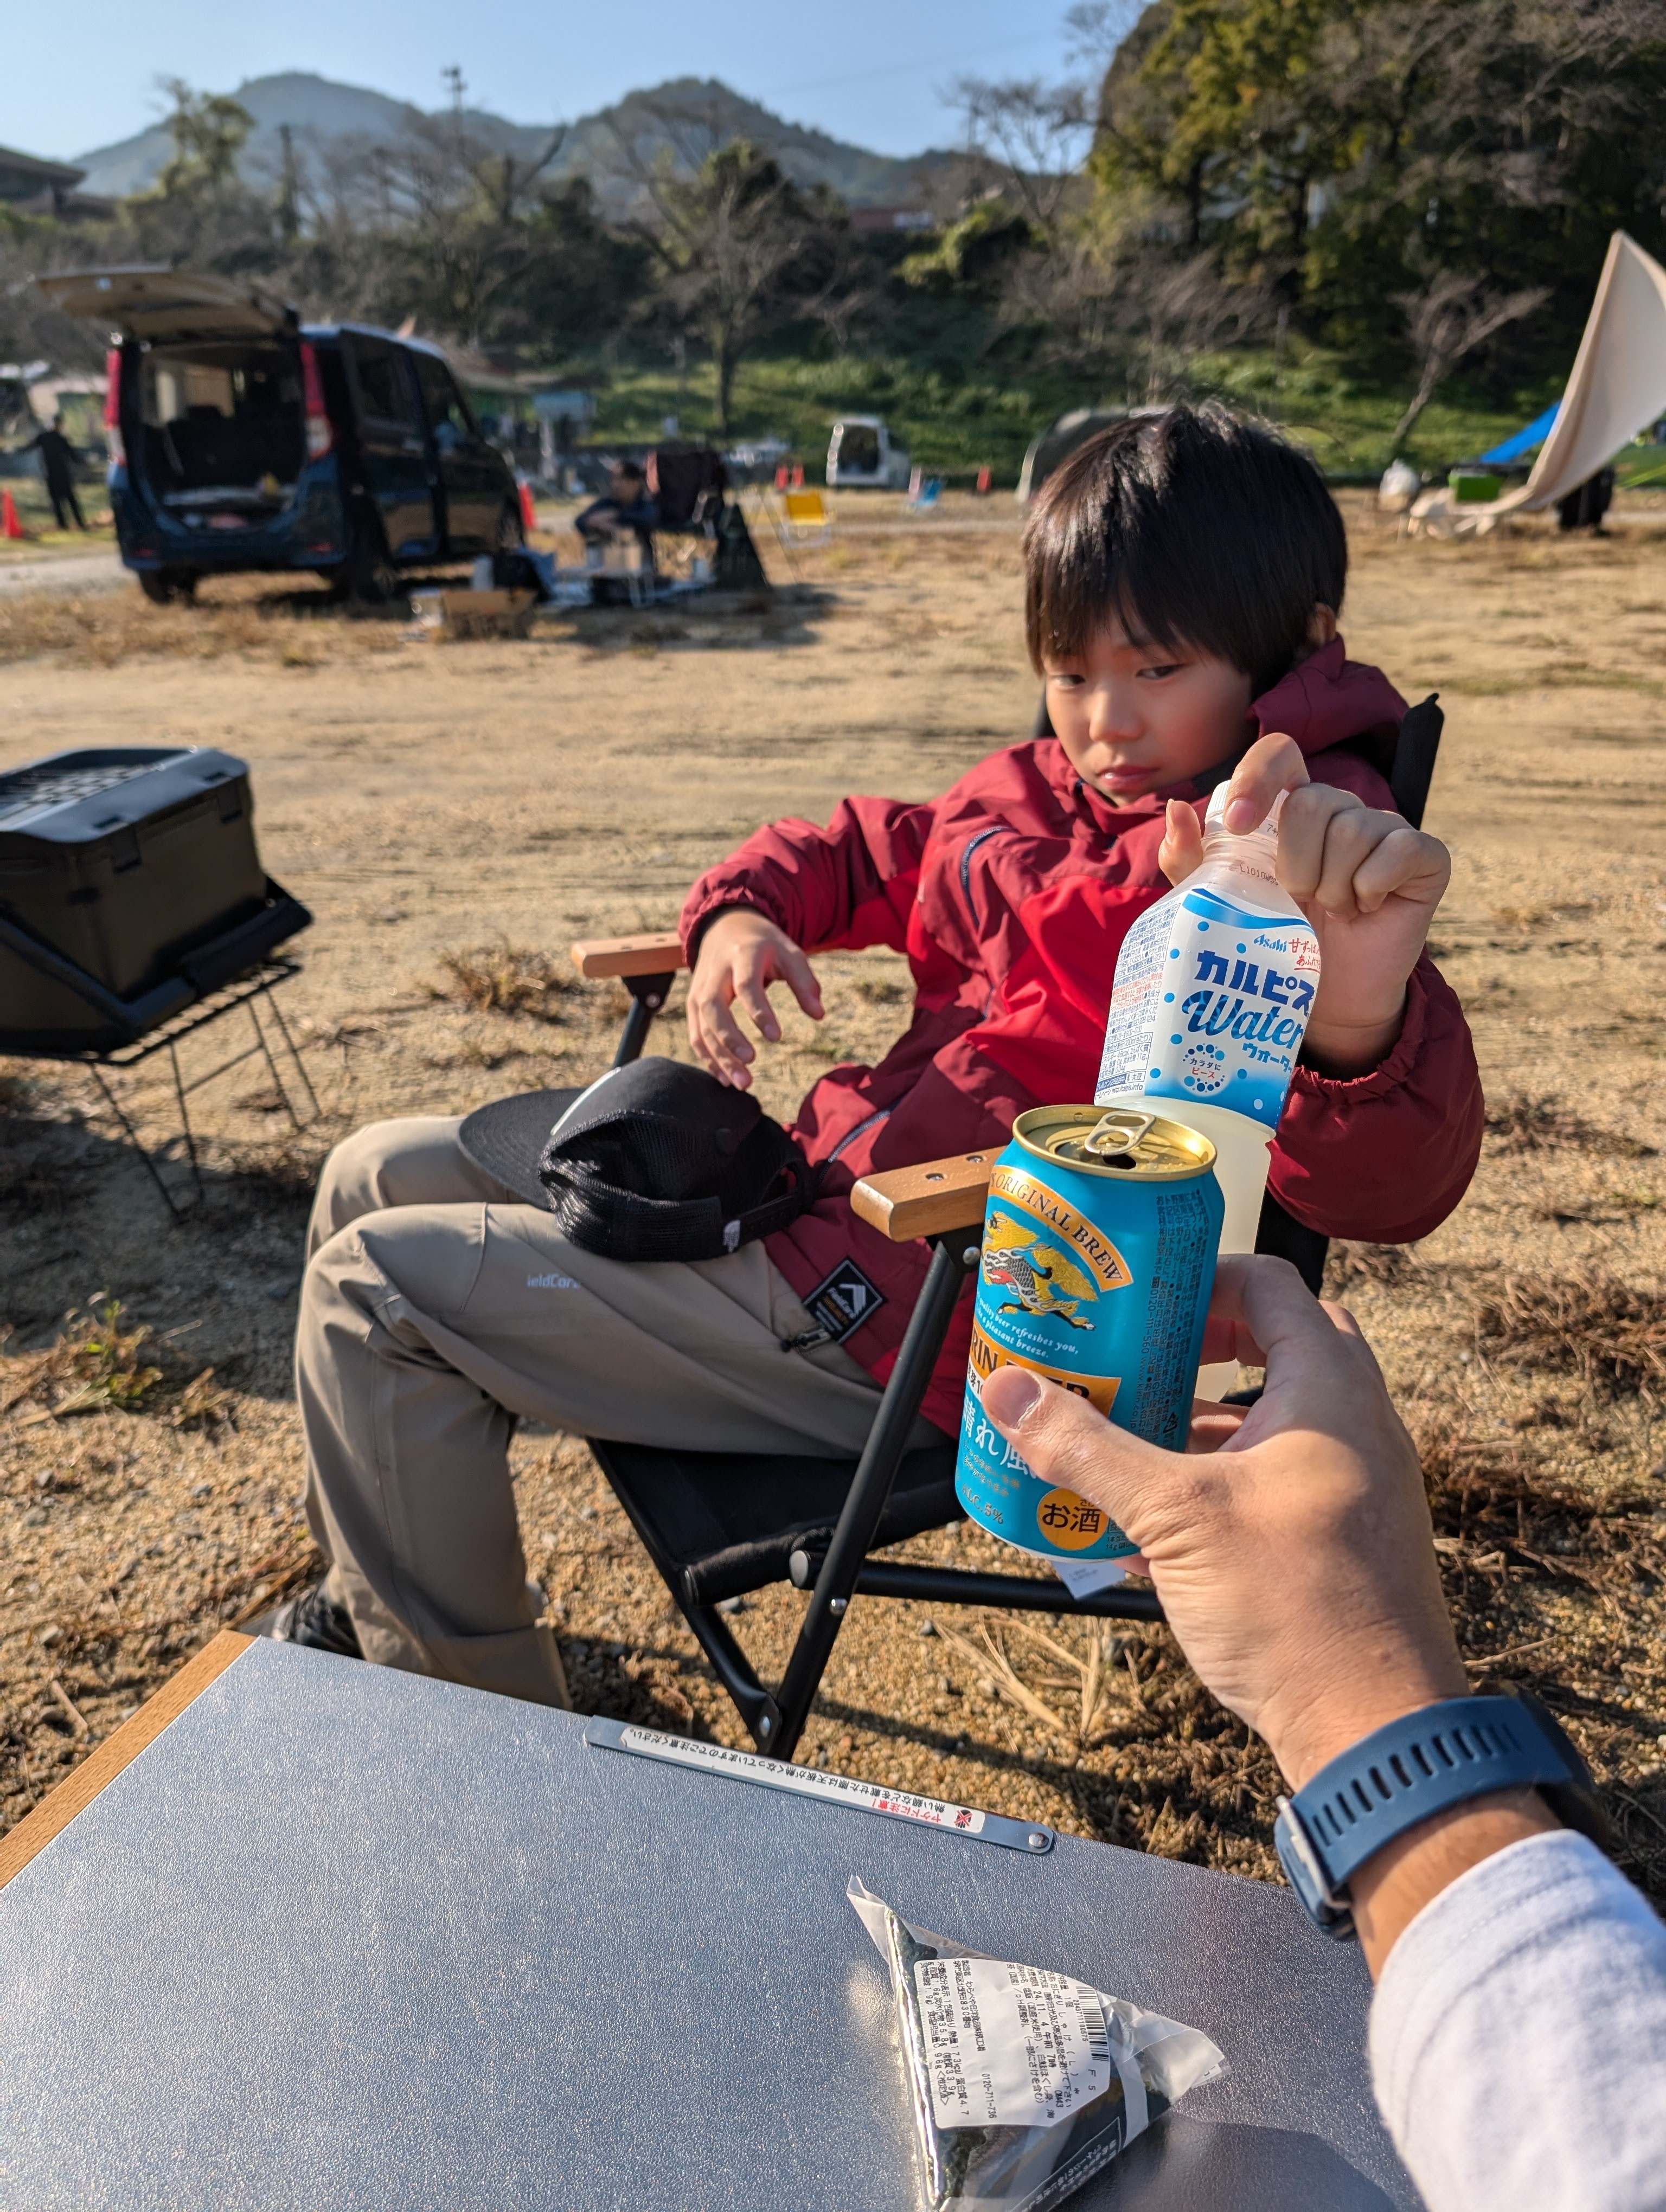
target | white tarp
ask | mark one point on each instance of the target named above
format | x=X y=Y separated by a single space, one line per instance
x=1617 y=389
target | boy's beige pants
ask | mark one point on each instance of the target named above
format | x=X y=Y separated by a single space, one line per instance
x=437 y=1307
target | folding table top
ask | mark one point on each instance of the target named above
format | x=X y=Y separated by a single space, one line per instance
x=342 y=1937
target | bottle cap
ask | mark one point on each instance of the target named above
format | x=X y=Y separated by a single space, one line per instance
x=1215 y=820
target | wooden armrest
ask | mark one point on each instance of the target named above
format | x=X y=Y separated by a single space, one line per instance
x=660 y=954
x=924 y=1201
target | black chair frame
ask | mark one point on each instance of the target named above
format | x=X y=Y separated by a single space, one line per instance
x=889 y=1494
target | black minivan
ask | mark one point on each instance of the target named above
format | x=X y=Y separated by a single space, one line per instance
x=241 y=438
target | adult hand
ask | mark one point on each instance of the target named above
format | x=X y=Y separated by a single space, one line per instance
x=741 y=954
x=1291 y=1545
x=1293 y=1551
x=1367 y=881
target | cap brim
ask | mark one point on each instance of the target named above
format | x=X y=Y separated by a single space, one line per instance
x=508 y=1139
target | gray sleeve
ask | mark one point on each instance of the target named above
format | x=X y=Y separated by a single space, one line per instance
x=1518 y=2038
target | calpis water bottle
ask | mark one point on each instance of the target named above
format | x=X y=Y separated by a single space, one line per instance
x=1214 y=985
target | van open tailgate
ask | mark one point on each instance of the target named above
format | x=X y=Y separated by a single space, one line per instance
x=168 y=305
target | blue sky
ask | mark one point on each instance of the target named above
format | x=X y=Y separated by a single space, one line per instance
x=870 y=71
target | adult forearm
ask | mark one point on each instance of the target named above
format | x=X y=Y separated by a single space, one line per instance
x=1518 y=2037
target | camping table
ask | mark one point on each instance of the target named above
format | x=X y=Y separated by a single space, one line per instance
x=340 y=1937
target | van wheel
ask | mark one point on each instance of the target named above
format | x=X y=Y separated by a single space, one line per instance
x=163 y=588
x=368 y=576
x=511 y=533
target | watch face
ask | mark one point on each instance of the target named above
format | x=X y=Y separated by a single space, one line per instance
x=1301 y=1865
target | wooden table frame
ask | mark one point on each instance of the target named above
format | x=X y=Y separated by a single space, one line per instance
x=120 y=1749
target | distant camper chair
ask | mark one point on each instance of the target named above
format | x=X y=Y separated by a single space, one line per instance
x=1415 y=755
x=809 y=522
x=689 y=483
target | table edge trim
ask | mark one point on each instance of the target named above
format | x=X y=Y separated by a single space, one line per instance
x=76 y=1791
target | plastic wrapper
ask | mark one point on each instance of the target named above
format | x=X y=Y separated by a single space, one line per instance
x=1024 y=2082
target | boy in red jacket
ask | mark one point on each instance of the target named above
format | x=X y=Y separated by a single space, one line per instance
x=1184 y=573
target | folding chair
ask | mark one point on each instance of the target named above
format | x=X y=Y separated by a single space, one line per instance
x=1412 y=772
x=808 y=521
x=719 y=1524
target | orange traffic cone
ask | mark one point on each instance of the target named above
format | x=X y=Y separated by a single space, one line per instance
x=528 y=512
x=9 y=525
x=781 y=477
x=985 y=478
x=798 y=475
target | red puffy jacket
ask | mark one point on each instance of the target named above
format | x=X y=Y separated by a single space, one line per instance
x=1011 y=895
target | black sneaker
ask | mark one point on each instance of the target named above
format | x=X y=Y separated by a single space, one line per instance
x=315 y=1620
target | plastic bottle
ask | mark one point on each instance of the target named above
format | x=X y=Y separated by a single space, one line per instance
x=1214 y=985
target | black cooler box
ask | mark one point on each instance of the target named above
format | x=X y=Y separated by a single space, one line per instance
x=129 y=887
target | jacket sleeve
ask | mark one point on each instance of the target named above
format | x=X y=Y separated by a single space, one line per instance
x=849 y=885
x=1385 y=1156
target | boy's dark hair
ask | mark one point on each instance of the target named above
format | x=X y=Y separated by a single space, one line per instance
x=1192 y=528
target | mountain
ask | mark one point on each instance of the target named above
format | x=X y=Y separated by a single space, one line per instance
x=684 y=118
x=689 y=116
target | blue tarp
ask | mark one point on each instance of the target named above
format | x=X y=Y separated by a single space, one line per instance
x=1524 y=440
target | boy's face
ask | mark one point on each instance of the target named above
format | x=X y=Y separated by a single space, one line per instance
x=1135 y=717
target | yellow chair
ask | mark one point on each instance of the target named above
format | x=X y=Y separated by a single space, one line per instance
x=808 y=520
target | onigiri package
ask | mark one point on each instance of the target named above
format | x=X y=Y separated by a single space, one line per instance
x=1024 y=2083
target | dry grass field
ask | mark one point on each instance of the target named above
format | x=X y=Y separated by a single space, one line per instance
x=454 y=814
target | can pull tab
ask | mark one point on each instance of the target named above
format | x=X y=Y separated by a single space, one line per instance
x=1116 y=1132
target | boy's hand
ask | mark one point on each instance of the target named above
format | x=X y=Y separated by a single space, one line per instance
x=741 y=954
x=1367 y=881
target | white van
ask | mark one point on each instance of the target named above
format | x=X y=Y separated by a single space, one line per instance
x=862 y=455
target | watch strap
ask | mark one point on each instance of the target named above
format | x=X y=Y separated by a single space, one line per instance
x=1423 y=1763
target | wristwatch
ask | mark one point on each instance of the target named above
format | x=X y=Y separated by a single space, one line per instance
x=1426 y=1762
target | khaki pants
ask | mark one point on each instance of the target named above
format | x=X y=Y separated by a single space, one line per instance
x=436 y=1307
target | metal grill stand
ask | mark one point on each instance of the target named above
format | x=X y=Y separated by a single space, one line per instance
x=251 y=992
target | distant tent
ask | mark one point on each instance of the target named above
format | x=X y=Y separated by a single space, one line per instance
x=1524 y=440
x=1060 y=439
x=1618 y=388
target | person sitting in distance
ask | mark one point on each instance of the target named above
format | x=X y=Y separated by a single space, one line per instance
x=1518 y=2029
x=1183 y=574
x=626 y=510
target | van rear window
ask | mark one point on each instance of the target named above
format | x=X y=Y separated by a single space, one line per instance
x=221 y=417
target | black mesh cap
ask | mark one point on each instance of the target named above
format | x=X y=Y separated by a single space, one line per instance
x=656 y=1160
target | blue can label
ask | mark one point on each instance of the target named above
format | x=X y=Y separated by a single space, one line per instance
x=1116 y=1317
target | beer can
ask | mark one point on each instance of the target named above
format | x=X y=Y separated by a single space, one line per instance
x=1098 y=1257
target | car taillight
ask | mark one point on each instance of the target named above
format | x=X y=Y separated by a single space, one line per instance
x=112 y=408
x=319 y=437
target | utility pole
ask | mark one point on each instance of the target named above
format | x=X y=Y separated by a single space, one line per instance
x=454 y=84
x=288 y=192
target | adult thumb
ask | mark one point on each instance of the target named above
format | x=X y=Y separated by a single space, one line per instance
x=1070 y=1445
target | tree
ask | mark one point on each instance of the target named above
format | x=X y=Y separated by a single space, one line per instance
x=1031 y=138
x=1223 y=109
x=210 y=131
x=1351 y=150
x=1447 y=321
x=742 y=252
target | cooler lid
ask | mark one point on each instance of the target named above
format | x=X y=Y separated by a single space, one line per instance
x=166 y=305
x=70 y=798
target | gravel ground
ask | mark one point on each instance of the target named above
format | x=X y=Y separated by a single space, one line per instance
x=496 y=799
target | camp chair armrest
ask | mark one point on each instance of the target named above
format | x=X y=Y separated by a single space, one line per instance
x=927 y=1200
x=659 y=954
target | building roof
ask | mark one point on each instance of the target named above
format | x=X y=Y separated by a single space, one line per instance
x=22 y=175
